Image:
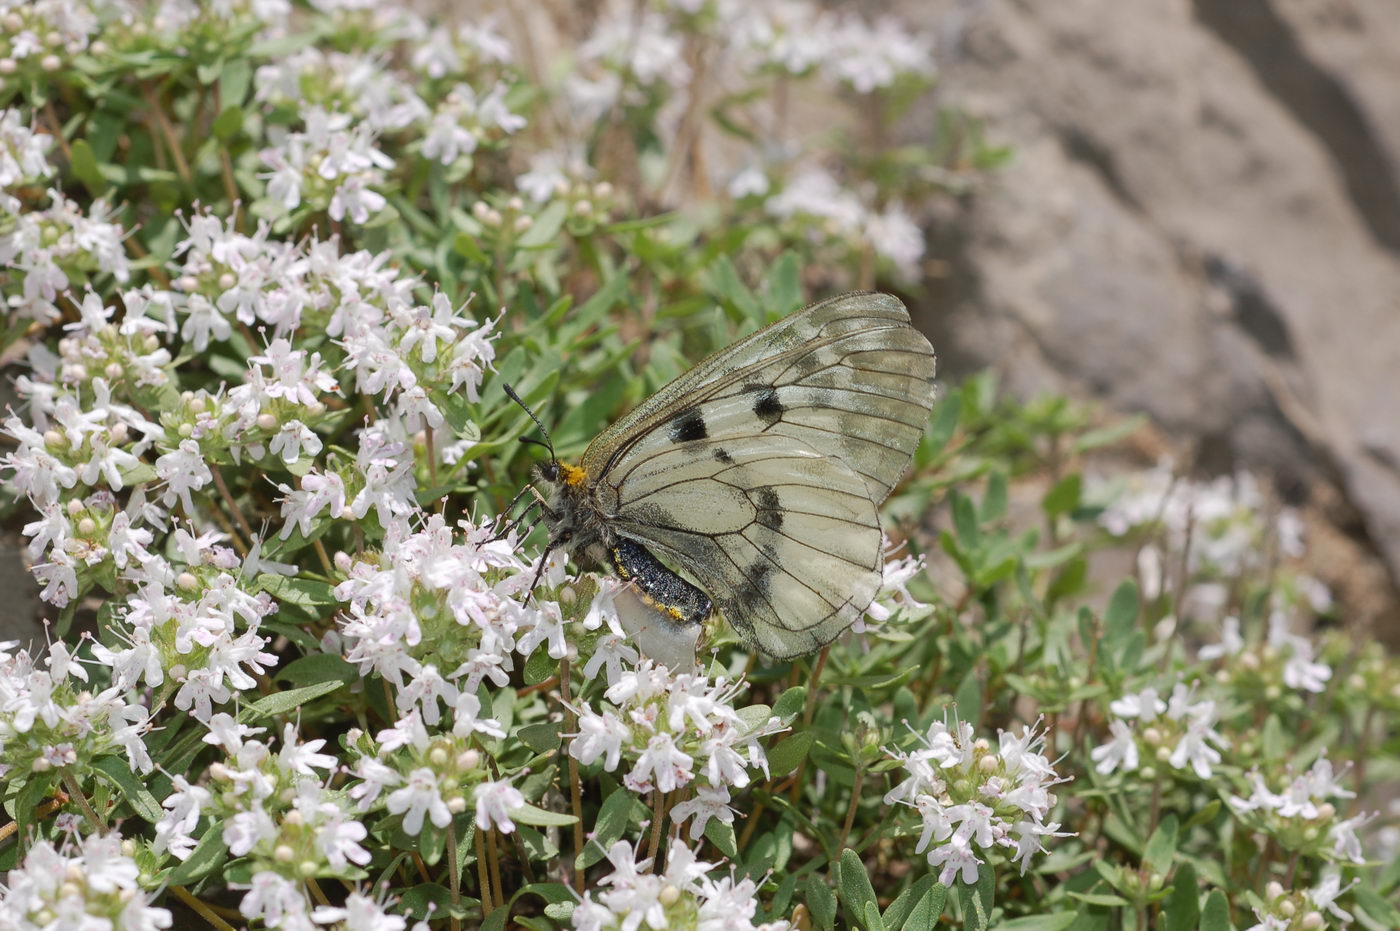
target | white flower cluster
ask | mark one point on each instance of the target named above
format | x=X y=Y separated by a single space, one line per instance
x=1301 y=816
x=464 y=119
x=91 y=884
x=970 y=795
x=798 y=37
x=1179 y=732
x=681 y=896
x=813 y=194
x=37 y=37
x=181 y=631
x=332 y=164
x=1227 y=518
x=894 y=594
x=1284 y=657
x=392 y=346
x=273 y=807
x=435 y=617
x=357 y=86
x=49 y=718
x=57 y=249
x=434 y=777
x=439 y=52
x=672 y=728
x=24 y=157
x=1302 y=910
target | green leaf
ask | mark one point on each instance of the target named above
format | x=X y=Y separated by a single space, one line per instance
x=898 y=911
x=290 y=700
x=1205 y=816
x=1106 y=436
x=722 y=836
x=1121 y=616
x=789 y=704
x=1161 y=846
x=432 y=899
x=1100 y=898
x=856 y=890
x=821 y=902
x=540 y=738
x=789 y=754
x=85 y=169
x=994 y=501
x=497 y=919
x=132 y=788
x=945 y=421
x=528 y=814
x=1183 y=909
x=1216 y=915
x=318 y=668
x=208 y=854
x=228 y=123
x=976 y=901
x=725 y=282
x=546 y=226
x=234 y=82
x=784 y=285
x=307 y=593
x=1057 y=921
x=929 y=909
x=539 y=666
x=612 y=822
x=1375 y=906
x=1064 y=496
x=871 y=920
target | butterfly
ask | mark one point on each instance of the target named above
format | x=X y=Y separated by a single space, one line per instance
x=753 y=482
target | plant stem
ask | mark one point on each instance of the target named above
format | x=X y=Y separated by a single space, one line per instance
x=482 y=879
x=203 y=910
x=316 y=892
x=322 y=555
x=850 y=814
x=71 y=782
x=575 y=788
x=454 y=879
x=494 y=859
x=172 y=141
x=234 y=510
x=658 y=818
x=432 y=455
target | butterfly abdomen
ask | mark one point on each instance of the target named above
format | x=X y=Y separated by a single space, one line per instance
x=659 y=587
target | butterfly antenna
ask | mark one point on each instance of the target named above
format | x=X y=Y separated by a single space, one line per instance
x=548 y=443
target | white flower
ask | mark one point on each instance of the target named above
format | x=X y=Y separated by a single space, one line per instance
x=599 y=735
x=1119 y=753
x=709 y=802
x=662 y=765
x=1144 y=705
x=418 y=798
x=495 y=801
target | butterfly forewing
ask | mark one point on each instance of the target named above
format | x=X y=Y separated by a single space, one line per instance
x=761 y=470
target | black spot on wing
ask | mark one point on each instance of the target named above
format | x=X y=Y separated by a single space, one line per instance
x=757 y=580
x=769 y=514
x=766 y=404
x=723 y=456
x=688 y=425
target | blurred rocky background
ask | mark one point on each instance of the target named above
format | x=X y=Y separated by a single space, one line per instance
x=1200 y=220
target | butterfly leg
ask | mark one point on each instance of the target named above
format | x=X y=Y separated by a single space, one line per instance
x=519 y=518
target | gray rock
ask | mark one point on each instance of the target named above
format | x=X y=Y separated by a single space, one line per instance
x=1201 y=222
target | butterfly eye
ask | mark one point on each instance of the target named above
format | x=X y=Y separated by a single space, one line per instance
x=549 y=471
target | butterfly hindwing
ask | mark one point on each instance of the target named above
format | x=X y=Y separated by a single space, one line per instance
x=785 y=540
x=760 y=471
